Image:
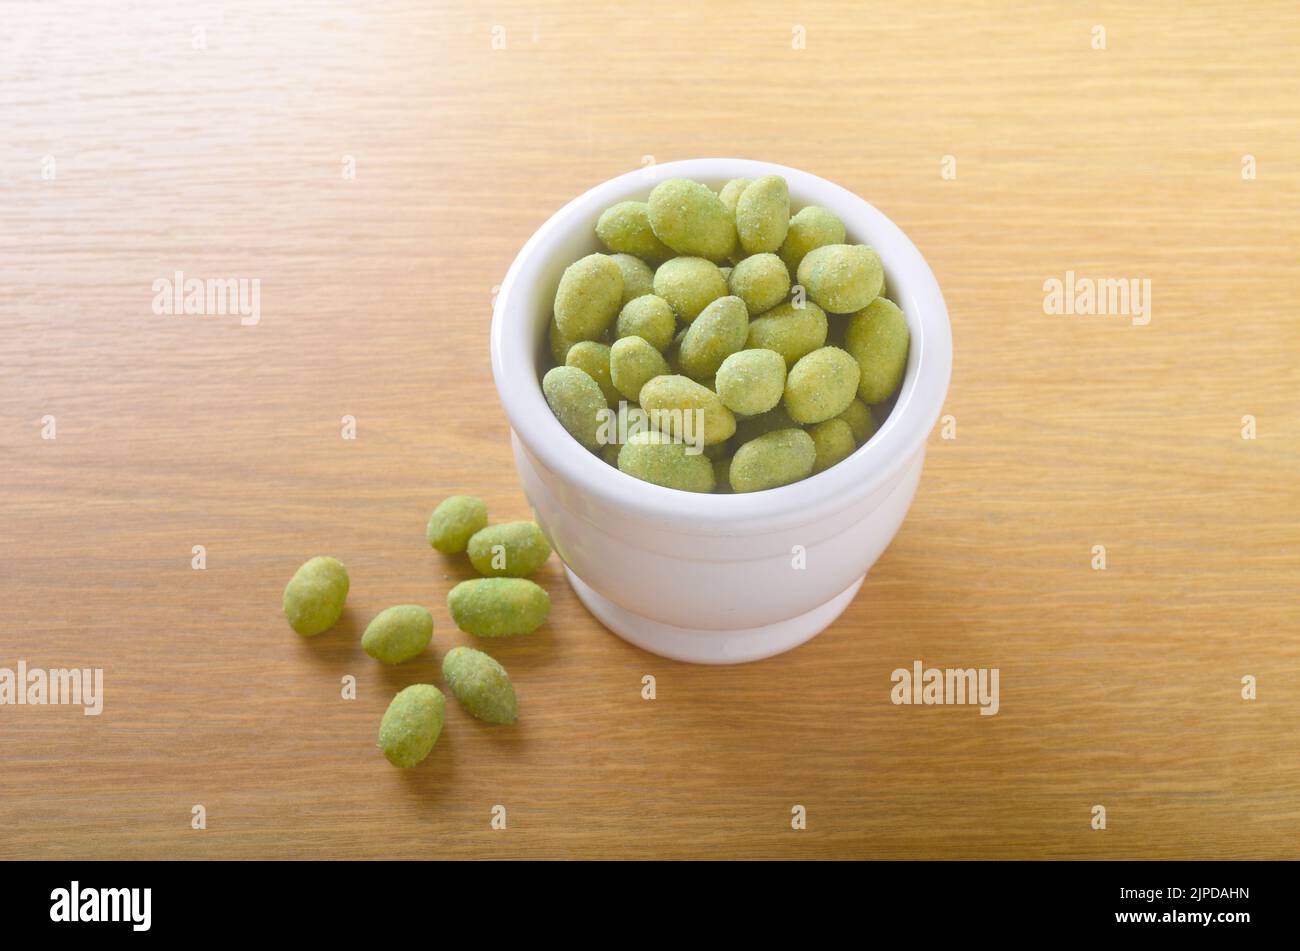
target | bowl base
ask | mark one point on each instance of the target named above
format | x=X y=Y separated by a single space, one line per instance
x=699 y=646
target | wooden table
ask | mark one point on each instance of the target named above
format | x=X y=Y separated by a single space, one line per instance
x=376 y=169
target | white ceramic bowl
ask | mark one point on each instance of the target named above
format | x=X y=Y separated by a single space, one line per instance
x=715 y=579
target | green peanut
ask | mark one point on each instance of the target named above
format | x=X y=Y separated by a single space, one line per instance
x=813 y=227
x=481 y=685
x=691 y=219
x=498 y=607
x=789 y=330
x=842 y=278
x=398 y=633
x=592 y=358
x=654 y=457
x=456 y=518
x=833 y=442
x=773 y=459
x=729 y=195
x=751 y=382
x=719 y=331
x=638 y=277
x=625 y=228
x=672 y=403
x=689 y=285
x=511 y=550
x=763 y=214
x=577 y=402
x=411 y=724
x=649 y=317
x=633 y=362
x=589 y=296
x=878 y=338
x=821 y=385
x=860 y=420
x=761 y=281
x=313 y=598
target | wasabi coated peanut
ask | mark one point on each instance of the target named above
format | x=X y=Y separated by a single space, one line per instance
x=498 y=607
x=773 y=459
x=480 y=684
x=512 y=550
x=625 y=228
x=589 y=296
x=672 y=402
x=730 y=194
x=833 y=442
x=860 y=420
x=691 y=219
x=689 y=285
x=878 y=338
x=751 y=382
x=577 y=402
x=638 y=277
x=398 y=633
x=719 y=331
x=649 y=317
x=411 y=724
x=789 y=330
x=456 y=518
x=763 y=214
x=761 y=281
x=654 y=457
x=313 y=598
x=813 y=227
x=592 y=358
x=842 y=278
x=632 y=364
x=821 y=385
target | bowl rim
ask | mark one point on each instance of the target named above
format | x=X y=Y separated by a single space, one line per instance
x=868 y=468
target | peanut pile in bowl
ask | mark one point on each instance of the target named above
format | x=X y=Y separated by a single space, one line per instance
x=724 y=345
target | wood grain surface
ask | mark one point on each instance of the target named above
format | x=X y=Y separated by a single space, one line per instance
x=142 y=141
